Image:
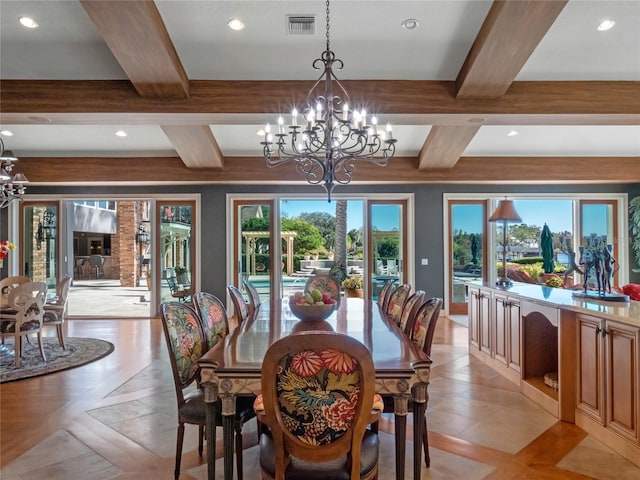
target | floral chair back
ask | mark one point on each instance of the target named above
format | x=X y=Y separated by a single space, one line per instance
x=324 y=283
x=425 y=324
x=318 y=390
x=383 y=296
x=409 y=311
x=396 y=302
x=213 y=315
x=185 y=342
x=254 y=297
x=240 y=309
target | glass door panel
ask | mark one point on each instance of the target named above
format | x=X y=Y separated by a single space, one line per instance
x=467 y=249
x=253 y=247
x=39 y=242
x=176 y=252
x=387 y=243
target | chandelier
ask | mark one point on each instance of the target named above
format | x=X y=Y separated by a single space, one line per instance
x=12 y=186
x=329 y=137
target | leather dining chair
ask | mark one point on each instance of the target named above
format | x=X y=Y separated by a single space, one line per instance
x=317 y=403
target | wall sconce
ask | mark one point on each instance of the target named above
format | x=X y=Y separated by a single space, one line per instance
x=506 y=213
x=142 y=236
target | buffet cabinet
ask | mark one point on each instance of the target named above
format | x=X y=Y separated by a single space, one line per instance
x=608 y=385
x=590 y=351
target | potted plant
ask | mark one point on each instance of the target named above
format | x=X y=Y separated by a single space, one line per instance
x=353 y=285
x=181 y=275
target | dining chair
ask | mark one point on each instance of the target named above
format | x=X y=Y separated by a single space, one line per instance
x=9 y=283
x=55 y=309
x=325 y=283
x=422 y=333
x=186 y=344
x=254 y=297
x=23 y=316
x=397 y=299
x=317 y=398
x=240 y=308
x=213 y=316
x=408 y=315
x=383 y=296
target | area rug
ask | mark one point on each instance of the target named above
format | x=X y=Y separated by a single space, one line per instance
x=80 y=351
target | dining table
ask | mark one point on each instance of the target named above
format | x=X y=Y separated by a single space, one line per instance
x=233 y=368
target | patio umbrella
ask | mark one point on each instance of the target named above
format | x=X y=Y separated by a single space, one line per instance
x=474 y=249
x=546 y=244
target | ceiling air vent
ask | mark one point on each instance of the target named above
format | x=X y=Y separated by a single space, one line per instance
x=301 y=24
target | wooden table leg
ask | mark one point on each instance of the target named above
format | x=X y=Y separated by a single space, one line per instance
x=211 y=399
x=228 y=418
x=400 y=408
x=419 y=397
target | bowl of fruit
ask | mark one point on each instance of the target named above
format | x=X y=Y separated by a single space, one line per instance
x=312 y=306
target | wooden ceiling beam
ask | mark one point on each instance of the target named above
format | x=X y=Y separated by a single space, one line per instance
x=510 y=33
x=138 y=39
x=479 y=170
x=196 y=145
x=444 y=145
x=406 y=97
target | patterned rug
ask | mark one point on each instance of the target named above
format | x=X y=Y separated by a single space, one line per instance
x=79 y=352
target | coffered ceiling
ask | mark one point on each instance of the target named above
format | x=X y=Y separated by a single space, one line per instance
x=191 y=93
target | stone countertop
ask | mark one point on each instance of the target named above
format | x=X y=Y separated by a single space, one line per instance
x=624 y=312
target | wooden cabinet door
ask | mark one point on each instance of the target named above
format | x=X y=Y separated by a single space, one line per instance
x=590 y=387
x=623 y=382
x=474 y=313
x=513 y=335
x=500 y=327
x=484 y=321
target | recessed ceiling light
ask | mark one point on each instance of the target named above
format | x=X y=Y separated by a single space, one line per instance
x=6 y=133
x=513 y=133
x=410 y=24
x=121 y=133
x=606 y=25
x=28 y=22
x=235 y=24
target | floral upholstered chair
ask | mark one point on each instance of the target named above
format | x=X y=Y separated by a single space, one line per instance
x=318 y=395
x=408 y=315
x=213 y=315
x=186 y=344
x=240 y=308
x=254 y=297
x=383 y=296
x=325 y=283
x=397 y=299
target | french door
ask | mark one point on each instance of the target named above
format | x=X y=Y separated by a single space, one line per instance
x=39 y=242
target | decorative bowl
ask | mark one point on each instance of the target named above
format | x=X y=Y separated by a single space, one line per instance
x=312 y=312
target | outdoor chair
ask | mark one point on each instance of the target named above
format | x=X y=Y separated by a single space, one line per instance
x=317 y=402
x=97 y=262
x=213 y=316
x=397 y=299
x=24 y=316
x=55 y=309
x=325 y=283
x=181 y=294
x=254 y=297
x=240 y=308
x=186 y=344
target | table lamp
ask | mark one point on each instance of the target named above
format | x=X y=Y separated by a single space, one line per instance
x=505 y=212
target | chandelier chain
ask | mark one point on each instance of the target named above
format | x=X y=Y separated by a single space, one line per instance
x=328 y=20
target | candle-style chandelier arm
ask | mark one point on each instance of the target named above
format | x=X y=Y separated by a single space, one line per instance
x=331 y=137
x=12 y=186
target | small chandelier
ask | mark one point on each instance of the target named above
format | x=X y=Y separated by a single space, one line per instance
x=331 y=137
x=12 y=186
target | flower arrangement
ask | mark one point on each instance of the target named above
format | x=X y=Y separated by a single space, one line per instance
x=353 y=282
x=554 y=281
x=5 y=247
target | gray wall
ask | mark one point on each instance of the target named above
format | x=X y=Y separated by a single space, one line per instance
x=428 y=218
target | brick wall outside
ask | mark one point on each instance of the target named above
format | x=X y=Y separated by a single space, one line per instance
x=124 y=249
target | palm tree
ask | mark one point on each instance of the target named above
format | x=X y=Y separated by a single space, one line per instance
x=340 y=258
